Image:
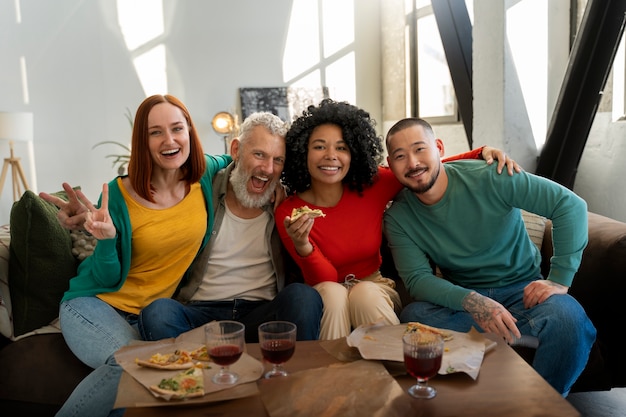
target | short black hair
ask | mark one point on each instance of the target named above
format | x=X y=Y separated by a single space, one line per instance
x=405 y=124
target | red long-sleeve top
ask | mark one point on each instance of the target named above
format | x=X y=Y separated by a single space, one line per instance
x=347 y=241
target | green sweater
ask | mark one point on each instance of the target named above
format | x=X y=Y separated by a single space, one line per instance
x=476 y=234
x=107 y=268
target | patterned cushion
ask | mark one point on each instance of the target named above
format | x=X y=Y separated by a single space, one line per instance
x=6 y=319
x=535 y=226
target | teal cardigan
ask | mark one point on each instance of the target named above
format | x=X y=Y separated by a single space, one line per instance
x=107 y=268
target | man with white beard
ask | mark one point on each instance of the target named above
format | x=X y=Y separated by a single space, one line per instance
x=240 y=275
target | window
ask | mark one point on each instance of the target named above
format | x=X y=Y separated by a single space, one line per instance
x=430 y=91
x=311 y=60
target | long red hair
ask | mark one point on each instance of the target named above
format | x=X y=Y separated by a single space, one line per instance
x=141 y=165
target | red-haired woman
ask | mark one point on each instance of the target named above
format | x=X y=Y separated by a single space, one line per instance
x=150 y=225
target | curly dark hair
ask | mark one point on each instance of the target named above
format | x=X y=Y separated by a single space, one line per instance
x=357 y=129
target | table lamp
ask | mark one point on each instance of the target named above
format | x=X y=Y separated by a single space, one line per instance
x=15 y=126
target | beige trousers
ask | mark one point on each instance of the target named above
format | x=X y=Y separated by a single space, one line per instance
x=352 y=303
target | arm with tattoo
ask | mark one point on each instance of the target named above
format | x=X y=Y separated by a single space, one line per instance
x=491 y=316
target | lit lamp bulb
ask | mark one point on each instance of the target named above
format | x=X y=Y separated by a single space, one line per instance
x=225 y=124
x=222 y=125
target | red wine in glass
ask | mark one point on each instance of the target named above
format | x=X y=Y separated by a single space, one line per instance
x=225 y=342
x=423 y=354
x=422 y=368
x=225 y=354
x=277 y=340
x=278 y=351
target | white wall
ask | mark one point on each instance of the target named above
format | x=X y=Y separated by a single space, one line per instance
x=602 y=171
x=81 y=78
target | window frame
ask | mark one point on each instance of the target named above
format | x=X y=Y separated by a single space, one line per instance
x=411 y=38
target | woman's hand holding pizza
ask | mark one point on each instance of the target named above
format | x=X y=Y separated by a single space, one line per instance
x=299 y=231
x=298 y=227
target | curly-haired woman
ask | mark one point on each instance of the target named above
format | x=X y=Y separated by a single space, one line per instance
x=333 y=164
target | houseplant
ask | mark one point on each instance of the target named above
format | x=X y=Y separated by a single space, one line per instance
x=119 y=159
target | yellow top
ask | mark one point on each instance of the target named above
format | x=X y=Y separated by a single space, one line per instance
x=164 y=243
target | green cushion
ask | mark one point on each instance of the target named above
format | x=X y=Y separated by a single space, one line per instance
x=40 y=262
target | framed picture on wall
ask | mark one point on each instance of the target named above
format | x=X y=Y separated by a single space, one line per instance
x=284 y=102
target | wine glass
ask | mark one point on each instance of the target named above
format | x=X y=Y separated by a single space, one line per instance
x=278 y=343
x=224 y=342
x=423 y=352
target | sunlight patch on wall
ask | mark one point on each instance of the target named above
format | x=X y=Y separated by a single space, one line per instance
x=24 y=76
x=312 y=79
x=152 y=70
x=18 y=11
x=303 y=65
x=23 y=71
x=619 y=81
x=141 y=22
x=340 y=79
x=531 y=64
x=302 y=46
x=337 y=24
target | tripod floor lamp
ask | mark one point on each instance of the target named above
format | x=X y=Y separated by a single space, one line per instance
x=15 y=126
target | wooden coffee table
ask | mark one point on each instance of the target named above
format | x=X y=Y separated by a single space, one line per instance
x=507 y=386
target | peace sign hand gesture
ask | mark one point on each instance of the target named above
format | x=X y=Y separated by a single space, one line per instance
x=72 y=213
x=97 y=220
x=75 y=213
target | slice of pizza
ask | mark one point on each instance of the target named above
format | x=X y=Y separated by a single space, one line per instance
x=187 y=384
x=200 y=354
x=414 y=327
x=180 y=359
x=296 y=213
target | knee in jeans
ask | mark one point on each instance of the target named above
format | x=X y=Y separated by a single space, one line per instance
x=153 y=314
x=302 y=294
x=158 y=307
x=295 y=290
x=567 y=312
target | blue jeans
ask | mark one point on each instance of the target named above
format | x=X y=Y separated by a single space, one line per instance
x=94 y=330
x=298 y=303
x=561 y=325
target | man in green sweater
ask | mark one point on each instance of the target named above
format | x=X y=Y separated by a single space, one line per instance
x=467 y=220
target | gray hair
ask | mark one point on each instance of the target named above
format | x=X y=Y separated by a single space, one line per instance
x=274 y=124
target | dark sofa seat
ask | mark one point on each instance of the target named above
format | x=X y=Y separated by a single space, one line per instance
x=38 y=373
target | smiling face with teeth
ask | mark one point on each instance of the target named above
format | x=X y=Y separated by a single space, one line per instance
x=168 y=134
x=329 y=157
x=259 y=162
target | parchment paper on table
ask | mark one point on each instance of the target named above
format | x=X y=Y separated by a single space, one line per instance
x=248 y=368
x=464 y=353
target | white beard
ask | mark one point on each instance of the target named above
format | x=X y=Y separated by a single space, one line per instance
x=239 y=180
